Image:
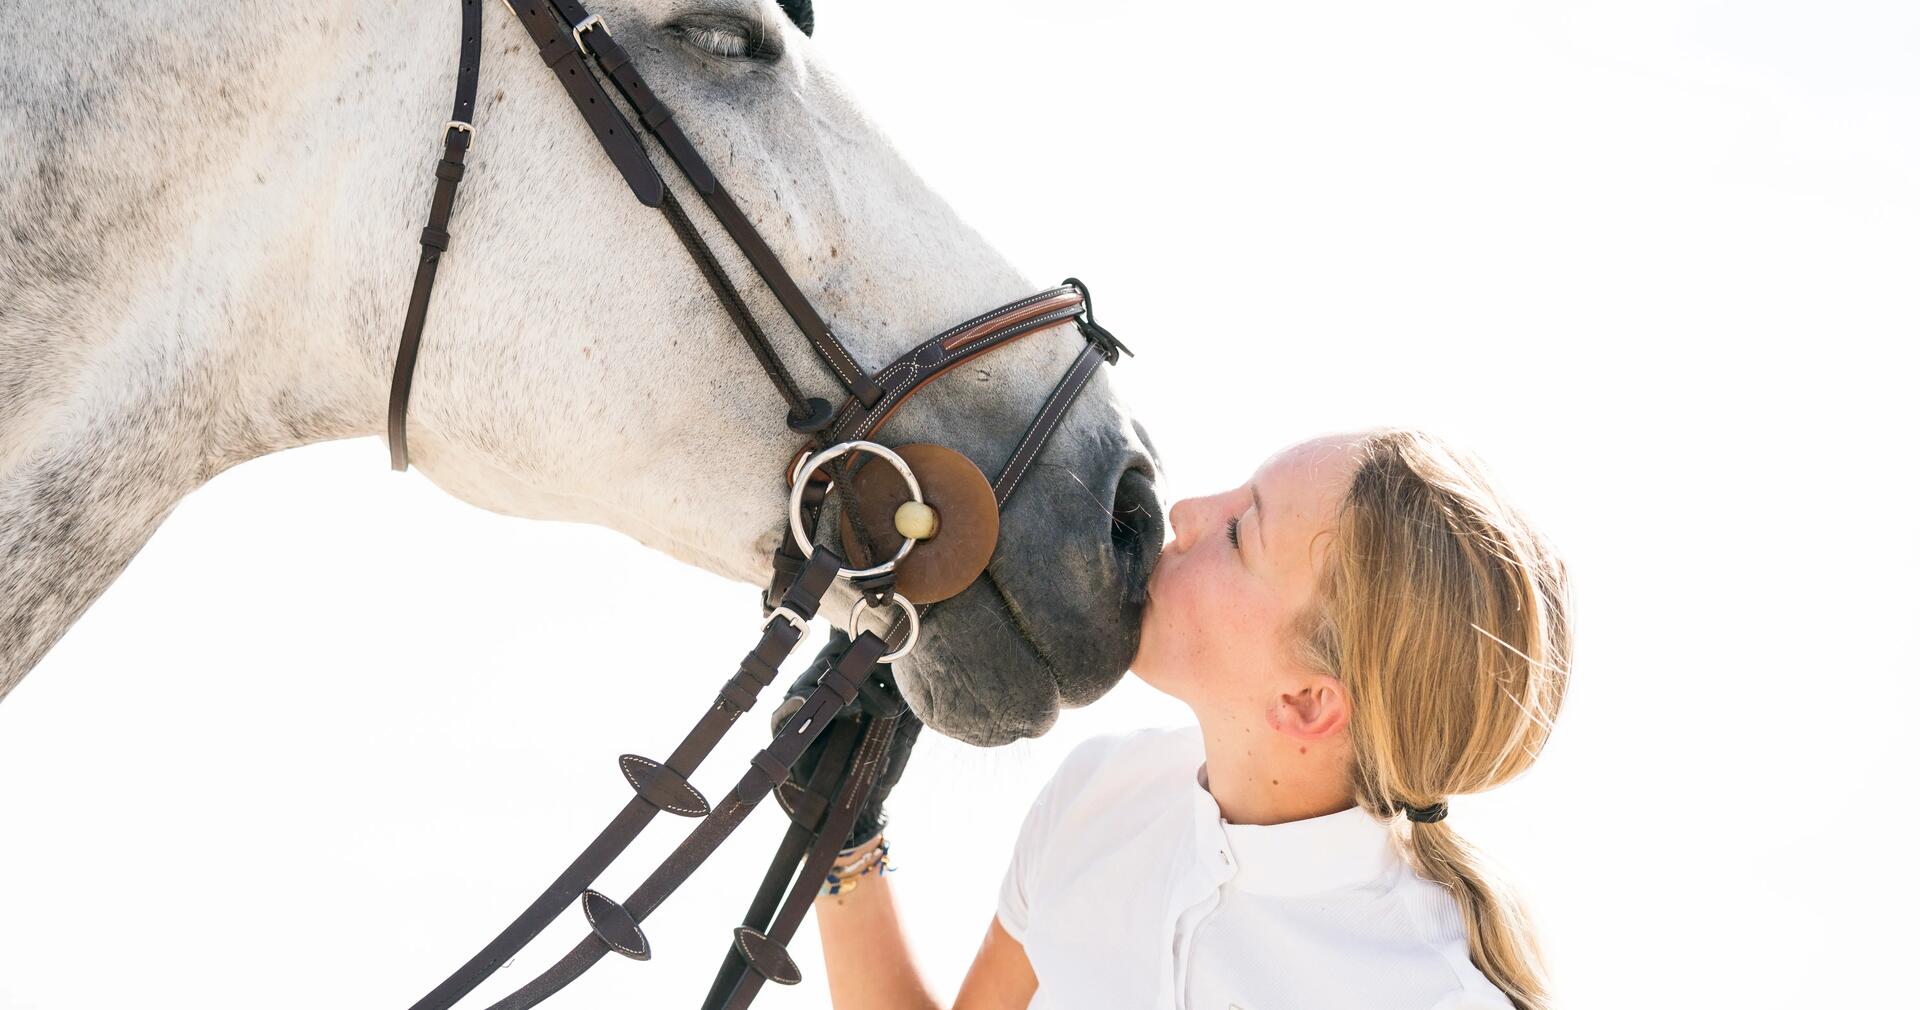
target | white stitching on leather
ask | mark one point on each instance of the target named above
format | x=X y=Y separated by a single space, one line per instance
x=978 y=345
x=1035 y=431
x=1002 y=310
x=628 y=773
x=745 y=952
x=615 y=944
x=833 y=342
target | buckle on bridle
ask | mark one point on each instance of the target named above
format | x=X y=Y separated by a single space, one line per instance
x=1110 y=345
x=792 y=618
x=585 y=26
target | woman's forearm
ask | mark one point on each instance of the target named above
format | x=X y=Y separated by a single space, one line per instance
x=868 y=964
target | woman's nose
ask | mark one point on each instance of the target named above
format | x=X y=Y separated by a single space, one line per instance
x=1185 y=516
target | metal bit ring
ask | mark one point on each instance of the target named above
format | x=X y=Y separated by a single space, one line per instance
x=816 y=461
x=913 y=625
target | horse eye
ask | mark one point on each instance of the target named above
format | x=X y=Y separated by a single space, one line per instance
x=729 y=39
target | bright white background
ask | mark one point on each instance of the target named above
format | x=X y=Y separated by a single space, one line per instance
x=1655 y=260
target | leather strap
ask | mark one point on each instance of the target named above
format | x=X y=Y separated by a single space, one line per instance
x=910 y=372
x=619 y=67
x=768 y=769
x=913 y=370
x=434 y=237
x=755 y=940
x=736 y=307
x=1043 y=427
x=807 y=809
x=756 y=671
x=759 y=952
x=610 y=128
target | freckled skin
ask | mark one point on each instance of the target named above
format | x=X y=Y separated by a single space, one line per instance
x=1216 y=620
x=1218 y=633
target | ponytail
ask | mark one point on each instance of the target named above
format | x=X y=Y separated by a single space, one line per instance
x=1499 y=935
x=1444 y=616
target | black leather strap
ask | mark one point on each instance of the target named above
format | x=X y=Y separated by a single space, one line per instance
x=776 y=642
x=1043 y=427
x=759 y=951
x=807 y=809
x=933 y=357
x=564 y=57
x=619 y=67
x=736 y=307
x=748 y=965
x=768 y=770
x=434 y=237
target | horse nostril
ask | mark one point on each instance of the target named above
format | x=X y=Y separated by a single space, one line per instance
x=1138 y=531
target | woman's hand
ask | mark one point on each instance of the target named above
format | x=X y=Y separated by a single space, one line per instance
x=869 y=966
x=879 y=698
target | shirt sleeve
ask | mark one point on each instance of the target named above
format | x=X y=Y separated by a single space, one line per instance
x=1467 y=999
x=1017 y=885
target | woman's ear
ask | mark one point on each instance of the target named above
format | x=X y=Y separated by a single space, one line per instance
x=1313 y=706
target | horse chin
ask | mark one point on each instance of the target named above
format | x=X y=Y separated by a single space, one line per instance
x=982 y=676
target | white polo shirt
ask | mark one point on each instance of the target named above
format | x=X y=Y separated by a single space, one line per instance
x=1129 y=890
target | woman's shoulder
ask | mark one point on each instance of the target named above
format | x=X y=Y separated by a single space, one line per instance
x=1116 y=782
x=1153 y=755
x=1436 y=920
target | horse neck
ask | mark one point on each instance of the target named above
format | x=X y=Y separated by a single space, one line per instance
x=161 y=318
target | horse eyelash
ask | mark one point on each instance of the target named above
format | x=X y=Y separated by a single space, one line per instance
x=1233 y=531
x=720 y=43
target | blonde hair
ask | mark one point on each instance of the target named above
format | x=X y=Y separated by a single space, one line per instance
x=1444 y=616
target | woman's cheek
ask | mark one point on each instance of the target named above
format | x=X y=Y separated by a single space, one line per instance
x=1161 y=627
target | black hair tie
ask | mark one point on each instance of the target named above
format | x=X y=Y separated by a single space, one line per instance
x=1426 y=815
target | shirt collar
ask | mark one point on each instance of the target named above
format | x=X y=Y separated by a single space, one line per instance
x=1318 y=854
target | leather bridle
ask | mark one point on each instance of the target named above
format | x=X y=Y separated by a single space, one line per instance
x=573 y=43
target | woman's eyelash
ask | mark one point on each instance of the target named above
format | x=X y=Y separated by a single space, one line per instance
x=1233 y=531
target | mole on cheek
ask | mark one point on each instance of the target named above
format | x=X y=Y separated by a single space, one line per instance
x=1303 y=750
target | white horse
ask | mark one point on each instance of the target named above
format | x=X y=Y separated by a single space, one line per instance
x=208 y=225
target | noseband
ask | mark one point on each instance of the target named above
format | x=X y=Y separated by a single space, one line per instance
x=946 y=510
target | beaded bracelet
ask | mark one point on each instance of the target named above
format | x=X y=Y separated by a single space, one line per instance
x=842 y=879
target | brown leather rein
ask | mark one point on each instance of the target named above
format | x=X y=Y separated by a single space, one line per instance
x=822 y=812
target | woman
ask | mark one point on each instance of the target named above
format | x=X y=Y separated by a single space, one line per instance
x=1362 y=630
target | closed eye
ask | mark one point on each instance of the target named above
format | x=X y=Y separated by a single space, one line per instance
x=1233 y=531
x=728 y=38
